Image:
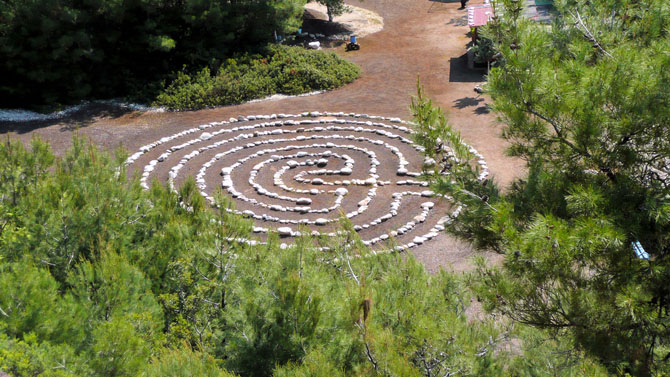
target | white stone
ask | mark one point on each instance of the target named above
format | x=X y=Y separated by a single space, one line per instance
x=284 y=231
x=345 y=171
x=341 y=191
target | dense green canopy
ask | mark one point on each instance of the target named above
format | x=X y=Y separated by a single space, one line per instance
x=60 y=51
x=586 y=102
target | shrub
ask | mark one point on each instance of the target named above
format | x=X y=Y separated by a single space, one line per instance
x=285 y=70
x=483 y=50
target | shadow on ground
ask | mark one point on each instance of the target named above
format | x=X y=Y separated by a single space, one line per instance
x=314 y=22
x=482 y=107
x=464 y=102
x=82 y=118
x=459 y=72
x=459 y=21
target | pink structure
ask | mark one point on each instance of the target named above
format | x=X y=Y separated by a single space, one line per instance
x=479 y=15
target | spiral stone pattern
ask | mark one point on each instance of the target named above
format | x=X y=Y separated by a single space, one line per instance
x=302 y=172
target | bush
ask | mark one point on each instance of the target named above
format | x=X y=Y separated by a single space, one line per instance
x=483 y=50
x=285 y=70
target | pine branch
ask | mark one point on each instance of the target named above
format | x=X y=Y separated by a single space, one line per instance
x=351 y=270
x=370 y=357
x=587 y=33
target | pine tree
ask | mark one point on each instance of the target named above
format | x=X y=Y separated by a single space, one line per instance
x=586 y=103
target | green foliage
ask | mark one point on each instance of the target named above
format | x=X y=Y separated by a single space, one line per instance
x=454 y=170
x=59 y=52
x=484 y=50
x=586 y=105
x=30 y=357
x=185 y=363
x=551 y=356
x=30 y=303
x=285 y=70
x=119 y=348
x=101 y=278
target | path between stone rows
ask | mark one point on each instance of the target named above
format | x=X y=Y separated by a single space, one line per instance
x=420 y=37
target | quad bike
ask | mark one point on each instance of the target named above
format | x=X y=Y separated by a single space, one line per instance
x=351 y=46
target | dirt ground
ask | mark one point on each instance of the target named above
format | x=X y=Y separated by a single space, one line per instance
x=358 y=21
x=421 y=38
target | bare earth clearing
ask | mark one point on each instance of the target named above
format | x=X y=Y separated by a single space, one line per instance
x=420 y=37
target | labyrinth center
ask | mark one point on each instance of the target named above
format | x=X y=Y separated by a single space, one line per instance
x=302 y=172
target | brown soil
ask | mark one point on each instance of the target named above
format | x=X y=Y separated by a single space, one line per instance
x=421 y=38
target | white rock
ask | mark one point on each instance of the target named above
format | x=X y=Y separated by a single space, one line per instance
x=284 y=231
x=341 y=191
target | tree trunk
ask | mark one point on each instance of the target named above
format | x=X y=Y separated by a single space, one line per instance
x=330 y=14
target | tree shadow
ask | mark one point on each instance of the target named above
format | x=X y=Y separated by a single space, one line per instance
x=464 y=102
x=459 y=21
x=81 y=118
x=481 y=110
x=436 y=6
x=459 y=71
x=314 y=22
x=316 y=27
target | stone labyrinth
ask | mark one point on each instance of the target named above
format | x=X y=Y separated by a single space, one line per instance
x=303 y=171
